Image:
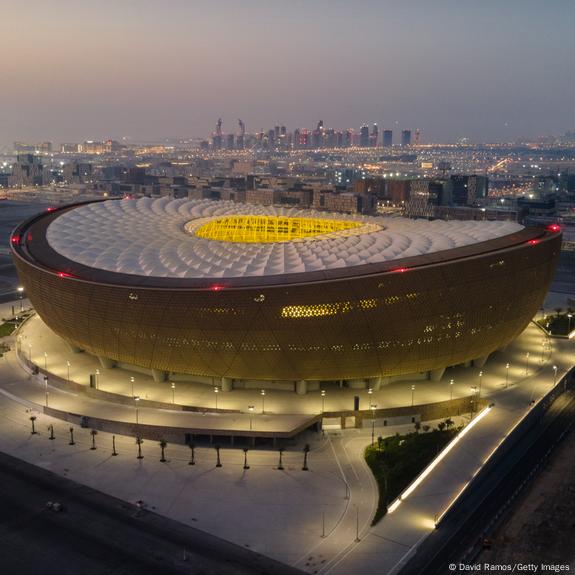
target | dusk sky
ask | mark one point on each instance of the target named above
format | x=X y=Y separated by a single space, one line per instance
x=489 y=70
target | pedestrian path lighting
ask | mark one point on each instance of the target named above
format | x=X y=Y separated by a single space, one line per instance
x=554 y=375
x=322 y=400
x=68 y=366
x=480 y=378
x=136 y=400
x=506 y=375
x=139 y=442
x=132 y=384
x=218 y=460
x=251 y=410
x=46 y=388
x=216 y=391
x=97 y=378
x=246 y=466
x=451 y=382
x=20 y=295
x=569 y=316
x=72 y=442
x=305 y=452
x=263 y=394
x=33 y=419
x=412 y=394
x=173 y=393
x=373 y=407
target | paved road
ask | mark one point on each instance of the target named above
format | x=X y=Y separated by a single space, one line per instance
x=98 y=534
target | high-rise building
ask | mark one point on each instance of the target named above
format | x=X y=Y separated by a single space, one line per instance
x=374 y=137
x=364 y=136
x=467 y=189
x=387 y=138
x=406 y=138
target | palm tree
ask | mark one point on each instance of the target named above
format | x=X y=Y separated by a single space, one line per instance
x=246 y=466
x=441 y=425
x=281 y=465
x=139 y=441
x=193 y=455
x=417 y=426
x=305 y=452
x=93 y=433
x=33 y=419
x=449 y=423
x=218 y=462
x=425 y=428
x=558 y=311
x=379 y=442
x=163 y=445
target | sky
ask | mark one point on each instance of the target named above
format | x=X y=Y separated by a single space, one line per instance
x=487 y=70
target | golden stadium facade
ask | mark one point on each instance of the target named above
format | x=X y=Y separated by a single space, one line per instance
x=245 y=292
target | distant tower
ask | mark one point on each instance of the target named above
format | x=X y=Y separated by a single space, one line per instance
x=416 y=140
x=364 y=136
x=240 y=141
x=373 y=139
x=387 y=138
x=405 y=138
x=217 y=137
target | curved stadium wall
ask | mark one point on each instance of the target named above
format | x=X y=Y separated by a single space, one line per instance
x=402 y=316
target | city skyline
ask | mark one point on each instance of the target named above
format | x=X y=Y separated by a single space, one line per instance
x=146 y=70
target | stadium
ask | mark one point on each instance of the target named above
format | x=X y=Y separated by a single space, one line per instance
x=238 y=293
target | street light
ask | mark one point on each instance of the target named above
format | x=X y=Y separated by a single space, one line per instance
x=46 y=388
x=251 y=410
x=322 y=400
x=68 y=366
x=506 y=375
x=173 y=393
x=21 y=293
x=216 y=391
x=412 y=394
x=554 y=375
x=132 y=382
x=480 y=376
x=263 y=394
x=372 y=406
x=136 y=400
x=451 y=382
x=473 y=399
x=569 y=315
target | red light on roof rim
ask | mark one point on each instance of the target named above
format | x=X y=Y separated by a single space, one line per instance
x=533 y=242
x=399 y=270
x=216 y=288
x=554 y=227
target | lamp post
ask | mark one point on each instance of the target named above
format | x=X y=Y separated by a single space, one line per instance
x=527 y=363
x=506 y=375
x=373 y=406
x=216 y=391
x=480 y=377
x=46 y=388
x=68 y=366
x=132 y=383
x=569 y=316
x=251 y=410
x=322 y=400
x=173 y=393
x=136 y=400
x=473 y=399
x=554 y=375
x=263 y=394
x=451 y=382
x=412 y=394
x=45 y=361
x=97 y=378
x=20 y=294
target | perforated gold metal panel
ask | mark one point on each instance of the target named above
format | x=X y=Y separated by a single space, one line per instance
x=385 y=323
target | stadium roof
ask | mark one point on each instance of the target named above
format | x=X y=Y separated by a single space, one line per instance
x=205 y=239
